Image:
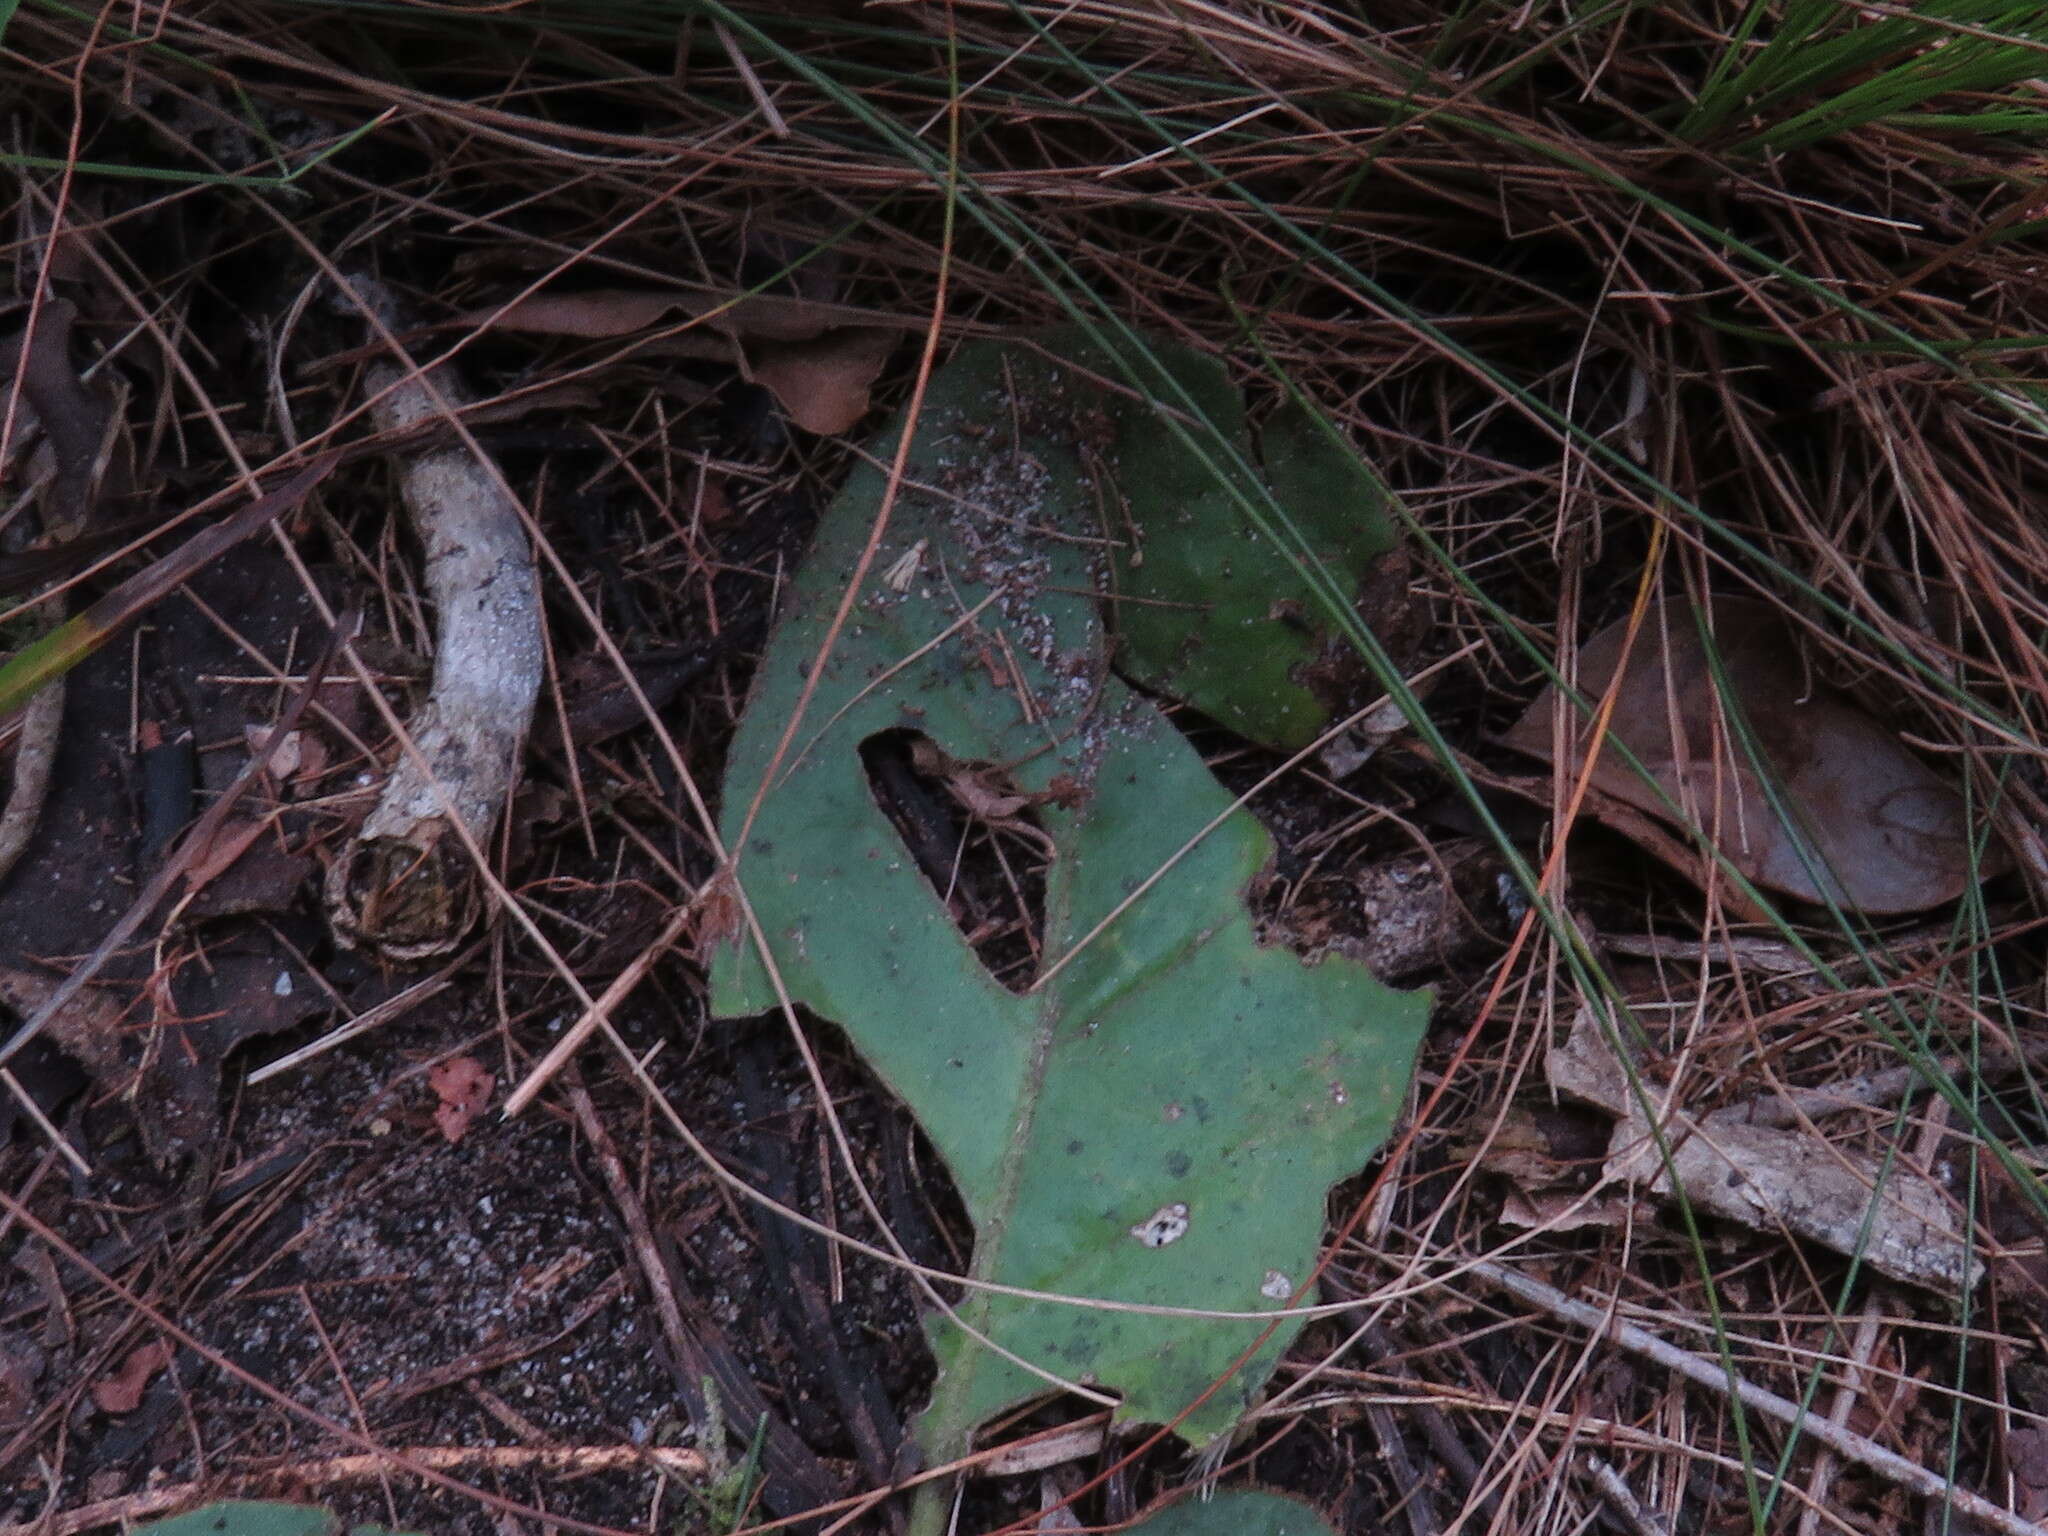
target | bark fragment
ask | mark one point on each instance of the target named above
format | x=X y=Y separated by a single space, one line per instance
x=405 y=886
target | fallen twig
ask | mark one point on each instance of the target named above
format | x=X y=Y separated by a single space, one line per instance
x=1623 y=1501
x=400 y=887
x=303 y=1476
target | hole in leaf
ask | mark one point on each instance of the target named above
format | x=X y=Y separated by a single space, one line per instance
x=978 y=840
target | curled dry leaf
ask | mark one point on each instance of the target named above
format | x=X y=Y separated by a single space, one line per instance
x=1867 y=824
x=464 y=1088
x=819 y=360
x=122 y=1391
x=824 y=383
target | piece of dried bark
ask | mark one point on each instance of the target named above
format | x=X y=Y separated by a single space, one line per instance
x=404 y=887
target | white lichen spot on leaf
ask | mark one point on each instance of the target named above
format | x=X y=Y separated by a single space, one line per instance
x=1168 y=1224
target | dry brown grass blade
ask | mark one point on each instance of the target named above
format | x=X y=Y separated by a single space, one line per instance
x=36 y=363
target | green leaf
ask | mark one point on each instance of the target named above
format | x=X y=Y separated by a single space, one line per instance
x=1210 y=609
x=1240 y=1512
x=1162 y=1059
x=252 y=1517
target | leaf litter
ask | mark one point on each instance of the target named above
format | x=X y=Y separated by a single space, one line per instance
x=1155 y=1115
x=1880 y=1209
x=1436 y=439
x=121 y=1390
x=1832 y=806
x=819 y=360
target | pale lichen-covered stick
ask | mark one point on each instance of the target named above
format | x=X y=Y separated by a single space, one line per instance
x=403 y=886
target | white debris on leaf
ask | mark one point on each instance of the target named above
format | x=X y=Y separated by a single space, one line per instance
x=1168 y=1224
x=898 y=577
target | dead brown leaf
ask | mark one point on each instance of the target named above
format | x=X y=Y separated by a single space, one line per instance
x=1561 y=1211
x=299 y=757
x=22 y=1363
x=2026 y=1453
x=1879 y=828
x=285 y=755
x=464 y=1087
x=122 y=1391
x=89 y=1027
x=819 y=360
x=230 y=841
x=824 y=383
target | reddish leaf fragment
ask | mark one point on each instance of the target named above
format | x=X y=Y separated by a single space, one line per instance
x=2026 y=1453
x=824 y=384
x=229 y=842
x=818 y=360
x=1878 y=827
x=22 y=1363
x=712 y=502
x=122 y=1391
x=464 y=1087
